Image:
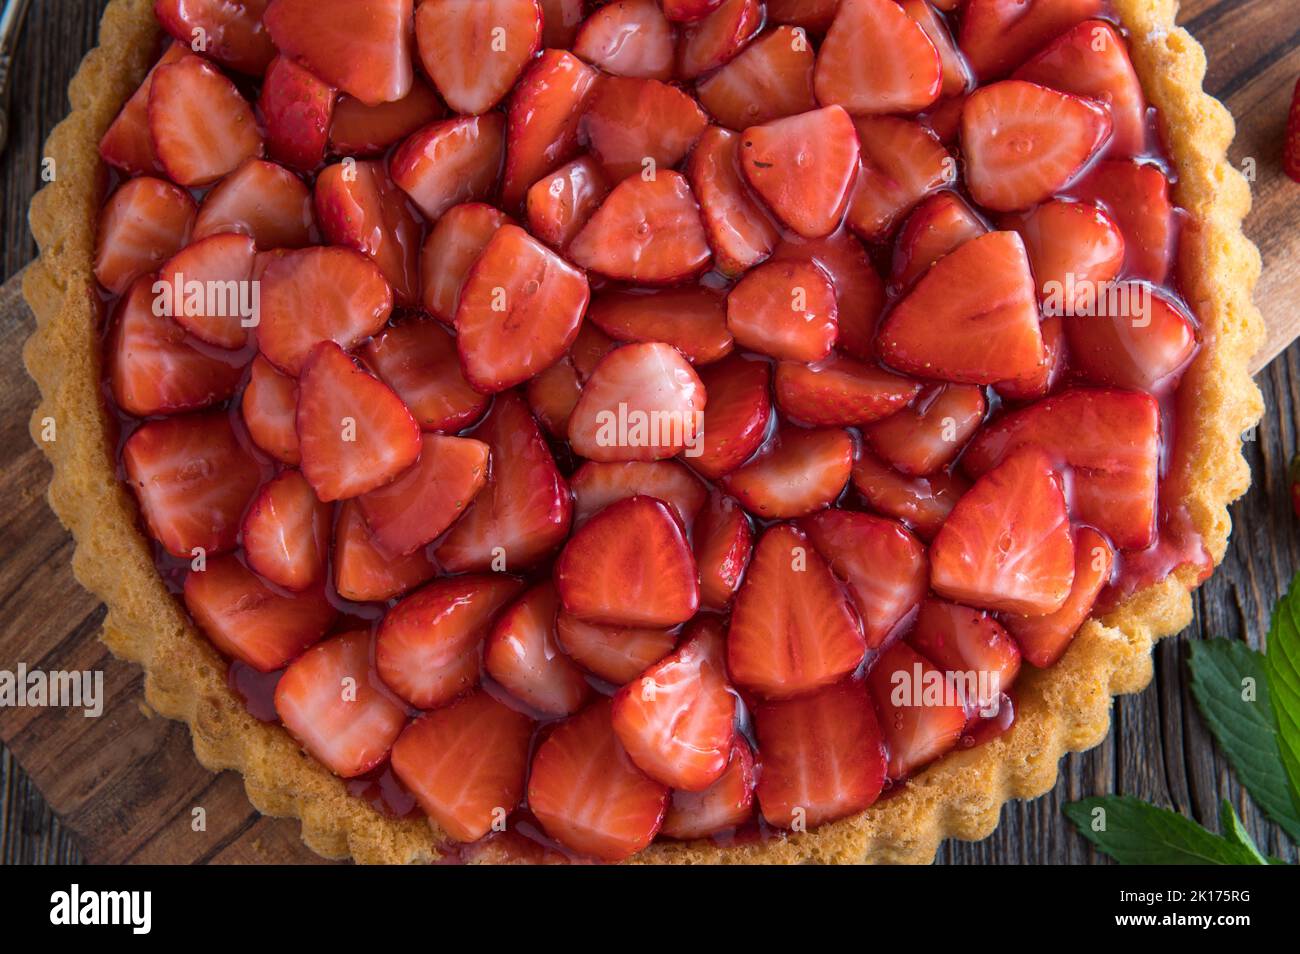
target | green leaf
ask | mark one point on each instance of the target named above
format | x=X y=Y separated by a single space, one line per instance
x=1136 y=833
x=1283 y=665
x=1246 y=730
x=1235 y=832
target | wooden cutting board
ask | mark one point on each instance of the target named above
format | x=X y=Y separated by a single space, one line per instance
x=126 y=783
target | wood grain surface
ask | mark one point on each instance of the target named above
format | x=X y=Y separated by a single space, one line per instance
x=122 y=787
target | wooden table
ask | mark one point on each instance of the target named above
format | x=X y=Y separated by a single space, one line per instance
x=120 y=788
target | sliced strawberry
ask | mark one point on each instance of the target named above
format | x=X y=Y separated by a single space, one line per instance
x=474 y=50
x=596 y=486
x=1136 y=196
x=249 y=621
x=297 y=109
x=354 y=432
x=319 y=294
x=724 y=542
x=588 y=794
x=427 y=650
x=692 y=319
x=417 y=358
x=453 y=245
x=1006 y=545
x=127 y=144
x=772 y=78
x=629 y=565
x=1024 y=142
x=144 y=223
x=797 y=472
x=883 y=566
x=286 y=533
x=363 y=49
x=930 y=434
x=522 y=655
x=542 y=121
x=688 y=11
x=269 y=408
x=718 y=38
x=740 y=232
x=944 y=119
x=876 y=59
x=193 y=479
x=803 y=167
x=725 y=804
x=524 y=512
x=647 y=232
x=1044 y=639
x=262 y=200
x=840 y=392
x=155 y=368
x=938 y=226
x=784 y=309
x=972 y=318
x=902 y=163
x=971 y=644
x=640 y=126
x=617 y=654
x=560 y=20
x=1042 y=381
x=1075 y=251
x=820 y=757
x=643 y=402
x=736 y=420
x=449 y=162
x=559 y=205
x=518 y=312
x=999 y=35
x=1110 y=438
x=792 y=628
x=232 y=32
x=465 y=764
x=628 y=38
x=676 y=721
x=362 y=571
x=201 y=127
x=956 y=74
x=923 y=503
x=187 y=282
x=552 y=396
x=920 y=722
x=1144 y=346
x=368 y=131
x=859 y=292
x=813 y=15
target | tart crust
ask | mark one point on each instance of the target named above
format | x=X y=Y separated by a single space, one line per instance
x=1063 y=709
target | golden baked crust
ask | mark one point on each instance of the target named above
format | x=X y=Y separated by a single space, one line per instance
x=1063 y=709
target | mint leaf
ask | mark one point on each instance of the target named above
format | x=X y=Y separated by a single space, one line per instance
x=1283 y=665
x=1235 y=832
x=1223 y=671
x=1136 y=833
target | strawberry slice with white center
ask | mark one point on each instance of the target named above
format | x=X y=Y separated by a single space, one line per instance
x=617 y=654
x=362 y=571
x=425 y=500
x=677 y=720
x=597 y=485
x=938 y=226
x=224 y=262
x=286 y=533
x=355 y=434
x=297 y=109
x=1007 y=545
x=453 y=246
x=772 y=78
x=999 y=35
x=233 y=33
x=792 y=629
x=1024 y=142
x=643 y=402
x=876 y=59
x=450 y=162
x=1145 y=347
x=956 y=74
x=251 y=622
x=688 y=11
x=319 y=294
x=201 y=127
x=970 y=644
x=1044 y=639
x=144 y=223
x=542 y=120
x=840 y=392
x=718 y=38
x=1042 y=381
x=368 y=131
x=474 y=50
x=724 y=542
x=646 y=232
x=1075 y=251
x=521 y=653
x=155 y=368
x=692 y=319
x=262 y=200
x=525 y=510
x=465 y=763
x=628 y=38
x=920 y=721
x=724 y=805
x=883 y=566
x=735 y=423
x=803 y=167
x=796 y=473
x=930 y=434
x=427 y=650
x=127 y=145
x=820 y=757
x=1111 y=439
x=270 y=410
x=519 y=311
x=629 y=565
x=902 y=162
x=559 y=205
x=923 y=503
x=784 y=309
x=972 y=318
x=1136 y=197
x=332 y=704
x=193 y=478
x=363 y=49
x=639 y=126
x=417 y=358
x=588 y=795
x=859 y=292
x=740 y=232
